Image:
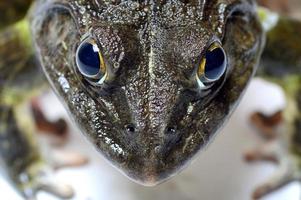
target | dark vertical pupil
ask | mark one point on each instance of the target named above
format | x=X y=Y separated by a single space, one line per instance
x=215 y=63
x=88 y=59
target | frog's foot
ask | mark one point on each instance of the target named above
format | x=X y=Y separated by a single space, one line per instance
x=60 y=190
x=267 y=152
x=286 y=174
x=288 y=170
x=63 y=159
x=40 y=178
x=58 y=129
x=267 y=125
x=274 y=150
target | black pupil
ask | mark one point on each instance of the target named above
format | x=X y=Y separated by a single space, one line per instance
x=215 y=63
x=88 y=59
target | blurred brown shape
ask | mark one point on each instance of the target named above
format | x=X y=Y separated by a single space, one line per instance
x=281 y=6
x=58 y=128
x=266 y=124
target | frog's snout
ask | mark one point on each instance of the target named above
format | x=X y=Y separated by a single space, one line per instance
x=157 y=151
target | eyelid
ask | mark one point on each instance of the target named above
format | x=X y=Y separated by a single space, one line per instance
x=214 y=46
x=86 y=36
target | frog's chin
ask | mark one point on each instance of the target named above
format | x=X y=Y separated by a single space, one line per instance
x=152 y=180
x=149 y=180
x=155 y=171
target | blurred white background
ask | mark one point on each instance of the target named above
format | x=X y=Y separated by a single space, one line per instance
x=218 y=173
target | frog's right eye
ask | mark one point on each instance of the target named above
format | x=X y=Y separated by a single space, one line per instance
x=212 y=66
x=90 y=62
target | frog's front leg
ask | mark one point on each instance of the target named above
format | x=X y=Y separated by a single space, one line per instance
x=20 y=80
x=23 y=162
x=285 y=175
x=58 y=128
x=266 y=123
x=275 y=150
x=281 y=65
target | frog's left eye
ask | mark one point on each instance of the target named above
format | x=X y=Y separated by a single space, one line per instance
x=90 y=62
x=213 y=65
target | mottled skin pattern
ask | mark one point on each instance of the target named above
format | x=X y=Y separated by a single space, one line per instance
x=152 y=50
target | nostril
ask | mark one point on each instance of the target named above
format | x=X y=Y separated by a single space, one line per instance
x=130 y=128
x=171 y=130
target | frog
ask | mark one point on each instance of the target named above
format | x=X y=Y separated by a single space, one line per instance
x=149 y=83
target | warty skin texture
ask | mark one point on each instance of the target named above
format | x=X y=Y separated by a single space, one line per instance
x=152 y=50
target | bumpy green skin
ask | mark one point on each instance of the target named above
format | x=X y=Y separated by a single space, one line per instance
x=152 y=50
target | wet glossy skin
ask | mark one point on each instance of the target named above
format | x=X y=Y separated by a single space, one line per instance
x=150 y=117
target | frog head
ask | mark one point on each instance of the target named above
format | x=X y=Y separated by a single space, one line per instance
x=149 y=83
